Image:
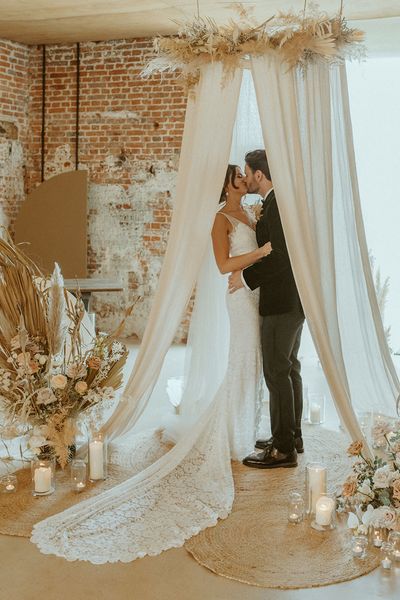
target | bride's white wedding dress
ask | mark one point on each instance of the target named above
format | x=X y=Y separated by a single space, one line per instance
x=190 y=487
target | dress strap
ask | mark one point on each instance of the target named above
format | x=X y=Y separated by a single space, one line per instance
x=229 y=217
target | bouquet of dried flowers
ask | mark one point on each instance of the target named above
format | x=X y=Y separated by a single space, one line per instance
x=51 y=369
x=372 y=490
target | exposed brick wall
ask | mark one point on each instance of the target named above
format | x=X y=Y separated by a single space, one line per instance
x=14 y=101
x=129 y=141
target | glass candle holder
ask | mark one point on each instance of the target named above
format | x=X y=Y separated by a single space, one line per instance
x=325 y=513
x=97 y=457
x=316 y=408
x=377 y=536
x=365 y=422
x=359 y=545
x=305 y=416
x=386 y=555
x=78 y=475
x=380 y=427
x=295 y=507
x=43 y=476
x=315 y=485
x=394 y=541
x=8 y=484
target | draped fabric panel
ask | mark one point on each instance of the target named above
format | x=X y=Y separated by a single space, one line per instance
x=204 y=155
x=307 y=134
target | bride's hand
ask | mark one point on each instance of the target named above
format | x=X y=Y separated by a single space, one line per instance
x=265 y=250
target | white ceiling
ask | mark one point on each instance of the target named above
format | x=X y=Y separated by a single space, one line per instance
x=57 y=21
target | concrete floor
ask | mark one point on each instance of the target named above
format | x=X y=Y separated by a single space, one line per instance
x=174 y=575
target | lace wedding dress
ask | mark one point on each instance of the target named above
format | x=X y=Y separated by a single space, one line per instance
x=188 y=488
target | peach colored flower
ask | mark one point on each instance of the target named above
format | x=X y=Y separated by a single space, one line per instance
x=81 y=387
x=58 y=382
x=355 y=448
x=34 y=366
x=349 y=488
x=94 y=363
x=396 y=489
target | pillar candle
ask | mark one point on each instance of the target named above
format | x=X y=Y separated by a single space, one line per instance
x=315 y=413
x=96 y=462
x=324 y=509
x=42 y=479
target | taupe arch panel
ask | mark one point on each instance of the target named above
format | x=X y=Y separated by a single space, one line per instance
x=53 y=219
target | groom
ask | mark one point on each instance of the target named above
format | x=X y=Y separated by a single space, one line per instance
x=282 y=324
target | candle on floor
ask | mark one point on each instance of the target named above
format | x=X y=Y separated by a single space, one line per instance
x=315 y=414
x=315 y=484
x=42 y=480
x=96 y=460
x=377 y=538
x=8 y=484
x=359 y=546
x=386 y=551
x=324 y=510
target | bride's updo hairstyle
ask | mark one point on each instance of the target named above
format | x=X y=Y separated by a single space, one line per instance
x=229 y=178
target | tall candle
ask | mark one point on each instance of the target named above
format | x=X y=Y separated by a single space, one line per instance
x=324 y=509
x=96 y=461
x=42 y=480
x=315 y=413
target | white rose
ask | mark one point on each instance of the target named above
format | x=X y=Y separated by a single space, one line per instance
x=81 y=387
x=364 y=491
x=45 y=396
x=58 y=382
x=384 y=516
x=381 y=477
x=42 y=359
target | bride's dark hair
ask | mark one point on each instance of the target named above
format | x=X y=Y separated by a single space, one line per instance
x=229 y=178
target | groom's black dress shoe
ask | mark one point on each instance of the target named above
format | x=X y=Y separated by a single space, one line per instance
x=271 y=458
x=263 y=444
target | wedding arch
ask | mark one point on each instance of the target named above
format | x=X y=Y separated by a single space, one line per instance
x=297 y=64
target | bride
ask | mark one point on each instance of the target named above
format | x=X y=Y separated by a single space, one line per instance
x=235 y=248
x=190 y=487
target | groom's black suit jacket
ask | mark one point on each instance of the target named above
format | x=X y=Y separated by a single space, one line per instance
x=273 y=274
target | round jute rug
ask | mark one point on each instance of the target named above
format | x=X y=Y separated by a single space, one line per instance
x=256 y=544
x=20 y=511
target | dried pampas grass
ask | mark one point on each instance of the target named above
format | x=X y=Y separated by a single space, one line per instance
x=299 y=38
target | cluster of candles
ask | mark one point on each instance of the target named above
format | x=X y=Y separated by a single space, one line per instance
x=319 y=505
x=390 y=547
x=43 y=470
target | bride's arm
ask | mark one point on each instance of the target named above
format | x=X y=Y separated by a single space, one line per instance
x=220 y=238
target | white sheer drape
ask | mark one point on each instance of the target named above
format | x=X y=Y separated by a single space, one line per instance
x=204 y=156
x=307 y=133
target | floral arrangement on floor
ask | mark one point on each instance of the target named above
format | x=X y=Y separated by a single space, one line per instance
x=299 y=38
x=51 y=370
x=372 y=490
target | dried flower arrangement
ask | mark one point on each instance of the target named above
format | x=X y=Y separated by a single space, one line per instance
x=49 y=374
x=299 y=38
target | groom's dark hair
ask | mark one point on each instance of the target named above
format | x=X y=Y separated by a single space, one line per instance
x=257 y=161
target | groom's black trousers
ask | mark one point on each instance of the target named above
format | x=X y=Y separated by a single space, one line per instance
x=280 y=338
